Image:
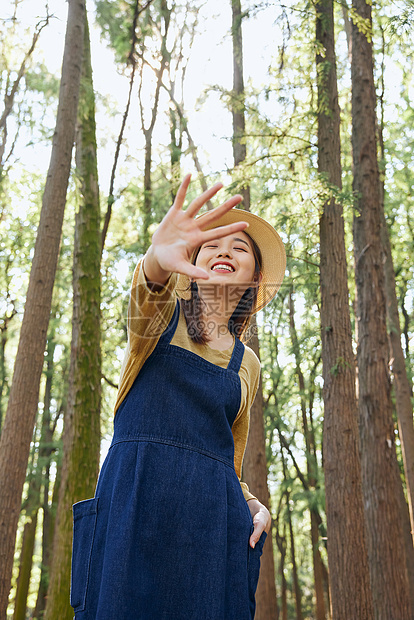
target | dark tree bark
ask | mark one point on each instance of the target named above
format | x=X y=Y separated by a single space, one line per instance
x=24 y=394
x=82 y=421
x=348 y=563
x=380 y=476
x=255 y=465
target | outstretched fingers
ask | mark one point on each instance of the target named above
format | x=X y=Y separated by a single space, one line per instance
x=190 y=270
x=201 y=200
x=181 y=193
x=223 y=231
x=215 y=214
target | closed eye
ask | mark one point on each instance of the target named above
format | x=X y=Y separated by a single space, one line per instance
x=243 y=249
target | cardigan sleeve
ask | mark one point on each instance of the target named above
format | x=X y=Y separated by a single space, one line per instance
x=149 y=313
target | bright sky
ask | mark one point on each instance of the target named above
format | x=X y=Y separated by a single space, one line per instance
x=210 y=64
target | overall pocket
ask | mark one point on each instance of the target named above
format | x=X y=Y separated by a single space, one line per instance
x=84 y=523
x=254 y=569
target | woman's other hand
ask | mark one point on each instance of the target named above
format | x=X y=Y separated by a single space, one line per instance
x=179 y=234
x=261 y=520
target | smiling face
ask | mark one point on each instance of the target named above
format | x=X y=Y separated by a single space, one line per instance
x=229 y=260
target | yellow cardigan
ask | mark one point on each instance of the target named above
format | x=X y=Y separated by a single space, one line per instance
x=148 y=315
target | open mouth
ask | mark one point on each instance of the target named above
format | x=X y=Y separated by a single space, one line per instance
x=223 y=268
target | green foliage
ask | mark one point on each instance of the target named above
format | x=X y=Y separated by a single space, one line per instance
x=363 y=24
x=115 y=19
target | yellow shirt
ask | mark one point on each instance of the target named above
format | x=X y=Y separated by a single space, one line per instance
x=149 y=313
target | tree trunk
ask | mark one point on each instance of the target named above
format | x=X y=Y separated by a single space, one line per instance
x=82 y=421
x=25 y=568
x=348 y=563
x=281 y=544
x=237 y=101
x=24 y=394
x=49 y=520
x=295 y=576
x=380 y=476
x=312 y=469
x=45 y=451
x=255 y=475
x=192 y=147
x=165 y=13
x=255 y=465
x=3 y=372
x=36 y=482
x=402 y=387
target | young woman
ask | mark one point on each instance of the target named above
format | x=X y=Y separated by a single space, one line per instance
x=172 y=533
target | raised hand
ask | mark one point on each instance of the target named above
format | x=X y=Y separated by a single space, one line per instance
x=179 y=234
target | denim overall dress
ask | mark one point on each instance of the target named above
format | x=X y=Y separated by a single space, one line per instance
x=166 y=536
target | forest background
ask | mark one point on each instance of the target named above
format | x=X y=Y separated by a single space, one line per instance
x=167 y=102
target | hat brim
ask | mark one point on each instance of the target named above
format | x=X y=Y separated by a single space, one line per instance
x=271 y=247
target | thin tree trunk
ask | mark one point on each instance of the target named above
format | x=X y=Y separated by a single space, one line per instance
x=24 y=394
x=255 y=465
x=25 y=568
x=387 y=555
x=402 y=387
x=281 y=543
x=312 y=470
x=148 y=132
x=191 y=145
x=237 y=103
x=9 y=95
x=111 y=197
x=3 y=372
x=82 y=422
x=176 y=145
x=35 y=488
x=45 y=451
x=350 y=590
x=295 y=576
x=282 y=546
x=49 y=520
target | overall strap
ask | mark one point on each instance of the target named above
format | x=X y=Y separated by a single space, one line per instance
x=237 y=356
x=169 y=331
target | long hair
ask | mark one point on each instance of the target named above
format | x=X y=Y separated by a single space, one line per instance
x=193 y=308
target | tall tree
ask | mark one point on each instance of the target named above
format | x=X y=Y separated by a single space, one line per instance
x=380 y=475
x=255 y=465
x=402 y=387
x=348 y=564
x=82 y=420
x=24 y=393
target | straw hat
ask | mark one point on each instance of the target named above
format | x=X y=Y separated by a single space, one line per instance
x=271 y=248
